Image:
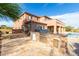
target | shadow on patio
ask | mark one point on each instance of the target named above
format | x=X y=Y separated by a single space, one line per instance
x=77 y=48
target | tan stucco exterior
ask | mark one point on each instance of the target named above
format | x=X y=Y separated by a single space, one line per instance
x=54 y=25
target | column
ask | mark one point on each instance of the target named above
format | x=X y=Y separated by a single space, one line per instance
x=55 y=28
x=62 y=30
x=59 y=30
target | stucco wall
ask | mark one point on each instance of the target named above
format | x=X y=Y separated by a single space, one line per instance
x=42 y=20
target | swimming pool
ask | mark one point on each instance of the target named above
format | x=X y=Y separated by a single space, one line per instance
x=73 y=35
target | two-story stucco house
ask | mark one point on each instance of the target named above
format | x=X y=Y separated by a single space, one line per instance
x=33 y=22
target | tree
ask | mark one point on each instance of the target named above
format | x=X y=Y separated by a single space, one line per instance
x=3 y=26
x=69 y=28
x=10 y=10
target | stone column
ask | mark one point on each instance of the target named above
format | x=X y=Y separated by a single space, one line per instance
x=55 y=28
x=59 y=30
x=63 y=29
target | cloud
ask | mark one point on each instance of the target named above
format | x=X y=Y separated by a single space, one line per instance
x=71 y=19
x=7 y=22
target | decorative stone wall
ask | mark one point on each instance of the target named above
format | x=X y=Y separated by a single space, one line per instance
x=58 y=47
x=43 y=45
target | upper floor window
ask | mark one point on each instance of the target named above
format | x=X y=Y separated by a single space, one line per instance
x=30 y=17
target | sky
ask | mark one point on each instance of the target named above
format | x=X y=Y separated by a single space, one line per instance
x=66 y=12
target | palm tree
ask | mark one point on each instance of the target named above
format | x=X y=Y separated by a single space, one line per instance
x=11 y=10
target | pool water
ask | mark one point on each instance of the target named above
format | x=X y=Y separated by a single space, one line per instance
x=73 y=35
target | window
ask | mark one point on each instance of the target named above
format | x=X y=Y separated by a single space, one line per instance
x=43 y=27
x=30 y=17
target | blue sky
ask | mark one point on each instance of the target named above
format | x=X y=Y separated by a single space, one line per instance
x=66 y=12
x=50 y=9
